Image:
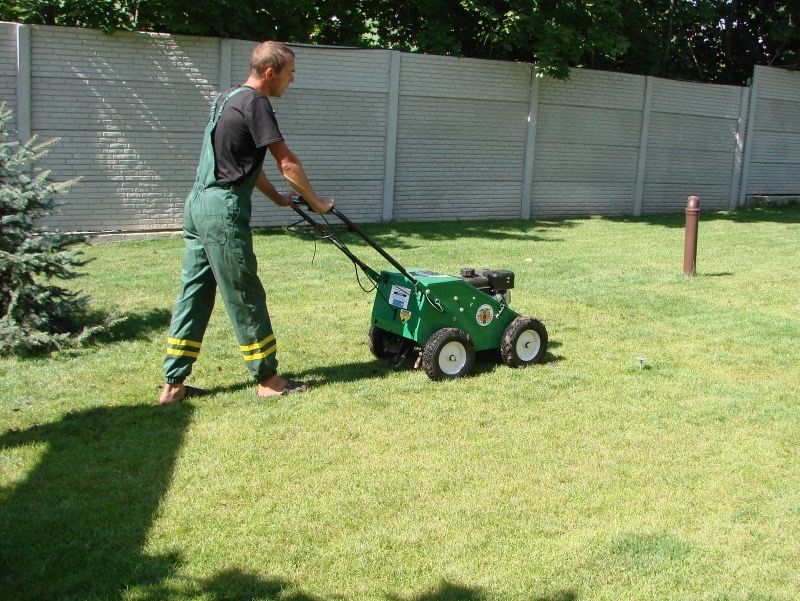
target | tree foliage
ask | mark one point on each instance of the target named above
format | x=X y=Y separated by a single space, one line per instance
x=706 y=40
x=556 y=34
x=36 y=314
x=715 y=41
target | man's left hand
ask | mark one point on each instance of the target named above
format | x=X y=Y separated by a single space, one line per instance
x=284 y=200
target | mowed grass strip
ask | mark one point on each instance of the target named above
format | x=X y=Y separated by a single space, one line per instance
x=654 y=455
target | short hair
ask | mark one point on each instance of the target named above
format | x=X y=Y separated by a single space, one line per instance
x=269 y=54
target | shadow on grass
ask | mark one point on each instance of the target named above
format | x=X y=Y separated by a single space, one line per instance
x=485 y=362
x=447 y=591
x=138 y=326
x=347 y=372
x=111 y=328
x=489 y=361
x=76 y=526
x=559 y=596
x=769 y=214
x=235 y=585
x=134 y=326
x=407 y=236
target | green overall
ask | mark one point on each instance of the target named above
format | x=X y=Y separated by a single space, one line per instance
x=219 y=251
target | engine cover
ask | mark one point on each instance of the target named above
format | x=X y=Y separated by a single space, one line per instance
x=494 y=280
x=500 y=279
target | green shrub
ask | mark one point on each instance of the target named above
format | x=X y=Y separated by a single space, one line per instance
x=36 y=313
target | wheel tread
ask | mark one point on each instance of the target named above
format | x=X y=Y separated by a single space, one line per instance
x=508 y=349
x=377 y=339
x=433 y=346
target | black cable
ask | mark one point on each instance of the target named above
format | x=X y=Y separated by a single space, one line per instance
x=358 y=279
x=330 y=235
x=312 y=236
x=355 y=265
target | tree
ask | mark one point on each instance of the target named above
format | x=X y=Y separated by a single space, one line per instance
x=556 y=33
x=320 y=21
x=553 y=33
x=715 y=41
x=755 y=33
x=36 y=314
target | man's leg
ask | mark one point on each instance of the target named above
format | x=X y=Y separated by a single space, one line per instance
x=189 y=318
x=246 y=303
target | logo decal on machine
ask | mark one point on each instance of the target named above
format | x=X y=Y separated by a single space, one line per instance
x=405 y=315
x=399 y=297
x=485 y=315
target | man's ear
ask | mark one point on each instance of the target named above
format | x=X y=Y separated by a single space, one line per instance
x=269 y=73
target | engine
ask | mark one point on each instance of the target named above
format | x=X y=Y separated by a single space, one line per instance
x=494 y=282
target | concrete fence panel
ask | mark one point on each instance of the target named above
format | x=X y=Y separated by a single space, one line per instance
x=774 y=166
x=691 y=145
x=8 y=70
x=394 y=135
x=461 y=138
x=129 y=110
x=587 y=144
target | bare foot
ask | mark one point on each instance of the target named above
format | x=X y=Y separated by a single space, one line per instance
x=277 y=385
x=172 y=393
x=272 y=386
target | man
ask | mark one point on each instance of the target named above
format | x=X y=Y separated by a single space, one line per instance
x=216 y=227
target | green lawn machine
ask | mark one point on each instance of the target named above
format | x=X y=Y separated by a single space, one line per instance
x=442 y=319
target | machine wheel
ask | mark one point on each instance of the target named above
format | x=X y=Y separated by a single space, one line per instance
x=379 y=341
x=524 y=342
x=448 y=354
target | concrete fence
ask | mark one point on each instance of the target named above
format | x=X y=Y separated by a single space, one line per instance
x=395 y=136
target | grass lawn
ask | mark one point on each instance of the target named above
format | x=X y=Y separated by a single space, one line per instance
x=585 y=478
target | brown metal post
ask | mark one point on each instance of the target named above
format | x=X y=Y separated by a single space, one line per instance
x=690 y=238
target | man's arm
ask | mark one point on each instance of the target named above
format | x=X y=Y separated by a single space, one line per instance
x=267 y=189
x=291 y=169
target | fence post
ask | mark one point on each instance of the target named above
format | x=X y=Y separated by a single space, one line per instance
x=390 y=153
x=530 y=146
x=23 y=82
x=748 y=138
x=224 y=64
x=641 y=164
x=738 y=154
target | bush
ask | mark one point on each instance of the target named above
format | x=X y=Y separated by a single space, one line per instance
x=36 y=314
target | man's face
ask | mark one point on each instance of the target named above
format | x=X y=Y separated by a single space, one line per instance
x=280 y=80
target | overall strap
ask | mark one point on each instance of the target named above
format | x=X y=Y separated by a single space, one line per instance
x=216 y=114
x=205 y=169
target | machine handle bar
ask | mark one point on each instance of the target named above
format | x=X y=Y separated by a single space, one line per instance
x=326 y=234
x=356 y=230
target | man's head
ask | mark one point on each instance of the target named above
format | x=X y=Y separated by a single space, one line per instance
x=273 y=64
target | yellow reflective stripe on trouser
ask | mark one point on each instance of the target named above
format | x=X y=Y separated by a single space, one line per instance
x=255 y=356
x=172 y=351
x=259 y=344
x=177 y=342
x=182 y=352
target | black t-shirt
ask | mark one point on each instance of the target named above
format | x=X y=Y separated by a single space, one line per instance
x=245 y=129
